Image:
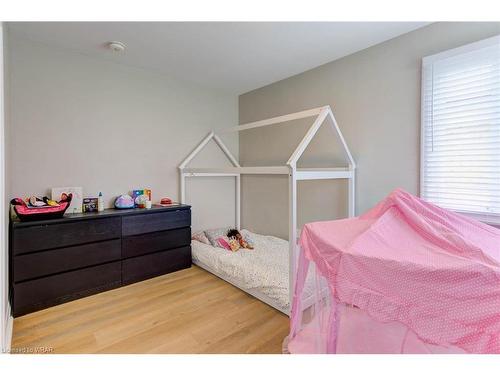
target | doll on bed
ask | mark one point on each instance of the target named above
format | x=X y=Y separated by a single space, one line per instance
x=236 y=240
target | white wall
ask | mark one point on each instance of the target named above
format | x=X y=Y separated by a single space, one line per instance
x=6 y=321
x=81 y=121
x=375 y=96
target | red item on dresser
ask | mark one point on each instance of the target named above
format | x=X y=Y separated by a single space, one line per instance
x=166 y=201
x=24 y=213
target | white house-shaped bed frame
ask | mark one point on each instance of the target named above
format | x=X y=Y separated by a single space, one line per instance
x=294 y=174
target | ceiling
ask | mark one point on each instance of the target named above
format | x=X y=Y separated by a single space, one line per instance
x=233 y=56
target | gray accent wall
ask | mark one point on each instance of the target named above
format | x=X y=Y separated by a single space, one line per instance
x=375 y=96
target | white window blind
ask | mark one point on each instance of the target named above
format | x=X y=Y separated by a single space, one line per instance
x=460 y=166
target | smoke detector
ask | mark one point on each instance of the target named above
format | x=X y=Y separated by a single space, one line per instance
x=116 y=46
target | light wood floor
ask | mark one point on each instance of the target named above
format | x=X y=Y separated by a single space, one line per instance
x=190 y=311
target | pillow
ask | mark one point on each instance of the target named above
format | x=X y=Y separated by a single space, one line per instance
x=221 y=242
x=249 y=242
x=214 y=234
x=201 y=237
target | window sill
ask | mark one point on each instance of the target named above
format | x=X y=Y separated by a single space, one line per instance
x=487 y=219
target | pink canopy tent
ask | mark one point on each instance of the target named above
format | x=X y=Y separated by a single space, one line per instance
x=405 y=277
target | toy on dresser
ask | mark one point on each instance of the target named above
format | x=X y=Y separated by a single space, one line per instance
x=141 y=197
x=124 y=201
x=35 y=208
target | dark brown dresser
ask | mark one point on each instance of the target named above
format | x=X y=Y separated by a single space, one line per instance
x=55 y=261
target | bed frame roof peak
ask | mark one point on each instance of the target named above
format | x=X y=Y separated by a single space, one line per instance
x=321 y=114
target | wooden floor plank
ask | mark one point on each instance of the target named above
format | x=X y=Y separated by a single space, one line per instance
x=190 y=311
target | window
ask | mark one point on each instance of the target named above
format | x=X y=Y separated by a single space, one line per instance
x=460 y=165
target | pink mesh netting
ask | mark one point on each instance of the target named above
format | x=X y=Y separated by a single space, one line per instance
x=405 y=277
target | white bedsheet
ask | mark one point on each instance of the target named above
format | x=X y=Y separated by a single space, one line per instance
x=263 y=270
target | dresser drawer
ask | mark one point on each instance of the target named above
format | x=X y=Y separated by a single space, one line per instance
x=33 y=295
x=154 y=222
x=30 y=266
x=144 y=267
x=41 y=237
x=153 y=242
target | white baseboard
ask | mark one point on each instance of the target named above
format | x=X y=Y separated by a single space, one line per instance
x=9 y=326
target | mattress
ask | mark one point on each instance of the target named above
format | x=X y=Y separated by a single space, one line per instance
x=262 y=272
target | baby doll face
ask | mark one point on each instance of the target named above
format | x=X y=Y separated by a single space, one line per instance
x=238 y=236
x=233 y=233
